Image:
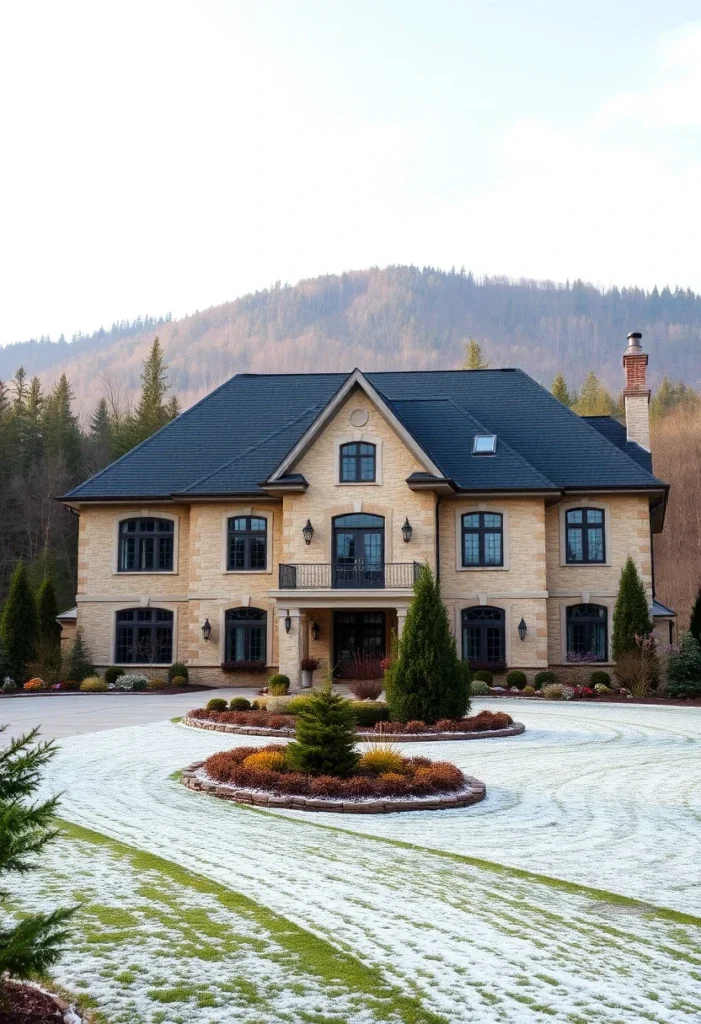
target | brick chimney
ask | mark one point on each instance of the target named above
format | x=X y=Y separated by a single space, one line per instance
x=636 y=393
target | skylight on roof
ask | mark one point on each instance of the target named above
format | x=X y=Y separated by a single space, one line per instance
x=484 y=444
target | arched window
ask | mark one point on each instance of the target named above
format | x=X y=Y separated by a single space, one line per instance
x=144 y=636
x=585 y=536
x=246 y=634
x=482 y=539
x=483 y=636
x=248 y=538
x=146 y=545
x=358 y=462
x=358 y=550
x=587 y=633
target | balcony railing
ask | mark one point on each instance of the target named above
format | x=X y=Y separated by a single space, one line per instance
x=349 y=575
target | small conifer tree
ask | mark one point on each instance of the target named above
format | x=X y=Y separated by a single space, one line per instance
x=78 y=663
x=428 y=681
x=473 y=356
x=684 y=669
x=631 y=616
x=561 y=391
x=695 y=622
x=325 y=736
x=33 y=945
x=18 y=630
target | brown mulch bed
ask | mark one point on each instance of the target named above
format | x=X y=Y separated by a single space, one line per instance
x=164 y=691
x=24 y=1004
x=611 y=698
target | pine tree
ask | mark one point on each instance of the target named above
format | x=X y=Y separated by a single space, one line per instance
x=428 y=680
x=33 y=945
x=594 y=399
x=631 y=616
x=325 y=736
x=684 y=669
x=49 y=631
x=101 y=436
x=561 y=391
x=695 y=621
x=473 y=356
x=78 y=664
x=151 y=414
x=62 y=437
x=18 y=630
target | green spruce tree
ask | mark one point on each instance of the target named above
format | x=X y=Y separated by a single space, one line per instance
x=561 y=391
x=594 y=399
x=151 y=413
x=18 y=630
x=78 y=664
x=35 y=943
x=49 y=631
x=684 y=669
x=325 y=736
x=62 y=437
x=428 y=680
x=695 y=621
x=631 y=616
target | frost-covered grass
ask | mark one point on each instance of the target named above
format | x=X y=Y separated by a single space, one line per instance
x=605 y=798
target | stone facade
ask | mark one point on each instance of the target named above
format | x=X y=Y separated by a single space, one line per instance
x=534 y=586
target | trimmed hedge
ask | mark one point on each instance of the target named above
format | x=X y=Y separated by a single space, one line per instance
x=544 y=678
x=485 y=676
x=178 y=668
x=237 y=704
x=600 y=677
x=112 y=674
x=516 y=678
x=368 y=712
x=216 y=704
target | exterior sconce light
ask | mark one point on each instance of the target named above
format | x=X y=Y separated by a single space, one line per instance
x=522 y=629
x=288 y=622
x=308 y=532
x=315 y=630
x=407 y=530
x=206 y=630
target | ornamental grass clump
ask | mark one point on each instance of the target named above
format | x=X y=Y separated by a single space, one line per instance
x=278 y=685
x=93 y=684
x=381 y=757
x=325 y=736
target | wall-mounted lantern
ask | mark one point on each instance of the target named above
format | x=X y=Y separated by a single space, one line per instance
x=407 y=530
x=308 y=532
x=206 y=630
x=522 y=629
x=288 y=622
x=315 y=630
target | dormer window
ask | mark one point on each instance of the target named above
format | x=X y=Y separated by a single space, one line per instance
x=357 y=463
x=484 y=444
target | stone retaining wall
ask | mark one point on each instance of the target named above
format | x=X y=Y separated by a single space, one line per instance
x=399 y=737
x=472 y=794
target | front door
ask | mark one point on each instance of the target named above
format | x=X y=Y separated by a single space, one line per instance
x=358 y=551
x=358 y=636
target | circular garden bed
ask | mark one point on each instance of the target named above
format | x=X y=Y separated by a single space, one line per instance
x=486 y=724
x=383 y=782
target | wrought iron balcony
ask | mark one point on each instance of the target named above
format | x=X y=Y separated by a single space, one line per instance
x=356 y=574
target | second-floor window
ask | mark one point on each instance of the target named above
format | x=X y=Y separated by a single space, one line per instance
x=585 y=536
x=248 y=539
x=482 y=539
x=146 y=545
x=358 y=463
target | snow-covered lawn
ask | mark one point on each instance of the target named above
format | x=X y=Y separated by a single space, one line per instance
x=607 y=797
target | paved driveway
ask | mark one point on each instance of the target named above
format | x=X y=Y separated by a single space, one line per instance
x=72 y=714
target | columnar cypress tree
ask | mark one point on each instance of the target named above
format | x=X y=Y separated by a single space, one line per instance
x=35 y=943
x=18 y=630
x=428 y=680
x=325 y=736
x=695 y=623
x=631 y=615
x=49 y=631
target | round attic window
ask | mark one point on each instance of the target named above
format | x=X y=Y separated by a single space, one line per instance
x=358 y=417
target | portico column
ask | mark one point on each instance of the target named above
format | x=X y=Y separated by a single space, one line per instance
x=291 y=645
x=401 y=619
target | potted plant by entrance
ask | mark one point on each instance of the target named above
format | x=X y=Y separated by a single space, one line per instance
x=308 y=667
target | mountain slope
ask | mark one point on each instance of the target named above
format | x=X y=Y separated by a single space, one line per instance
x=395 y=318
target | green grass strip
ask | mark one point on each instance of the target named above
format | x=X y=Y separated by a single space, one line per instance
x=316 y=956
x=650 y=910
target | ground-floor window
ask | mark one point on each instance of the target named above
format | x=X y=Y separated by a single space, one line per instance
x=144 y=636
x=483 y=635
x=246 y=634
x=587 y=632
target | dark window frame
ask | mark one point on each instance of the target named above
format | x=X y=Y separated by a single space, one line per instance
x=151 y=539
x=588 y=624
x=583 y=529
x=248 y=536
x=350 y=460
x=137 y=635
x=481 y=531
x=249 y=621
x=483 y=618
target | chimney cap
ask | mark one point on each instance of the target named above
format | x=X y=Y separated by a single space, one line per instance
x=634 y=346
x=634 y=334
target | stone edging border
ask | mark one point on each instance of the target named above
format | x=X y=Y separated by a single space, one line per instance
x=473 y=794
x=396 y=737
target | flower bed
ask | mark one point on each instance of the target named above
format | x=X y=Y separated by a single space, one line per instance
x=257 y=775
x=263 y=723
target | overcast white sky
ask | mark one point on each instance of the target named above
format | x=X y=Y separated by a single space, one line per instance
x=171 y=155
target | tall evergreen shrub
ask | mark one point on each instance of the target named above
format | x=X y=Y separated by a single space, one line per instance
x=428 y=681
x=631 y=615
x=684 y=669
x=78 y=664
x=695 y=623
x=18 y=630
x=325 y=736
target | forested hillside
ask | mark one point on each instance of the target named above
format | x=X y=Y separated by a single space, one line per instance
x=399 y=317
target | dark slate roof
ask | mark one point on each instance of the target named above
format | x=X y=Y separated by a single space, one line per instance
x=232 y=440
x=615 y=431
x=660 y=610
